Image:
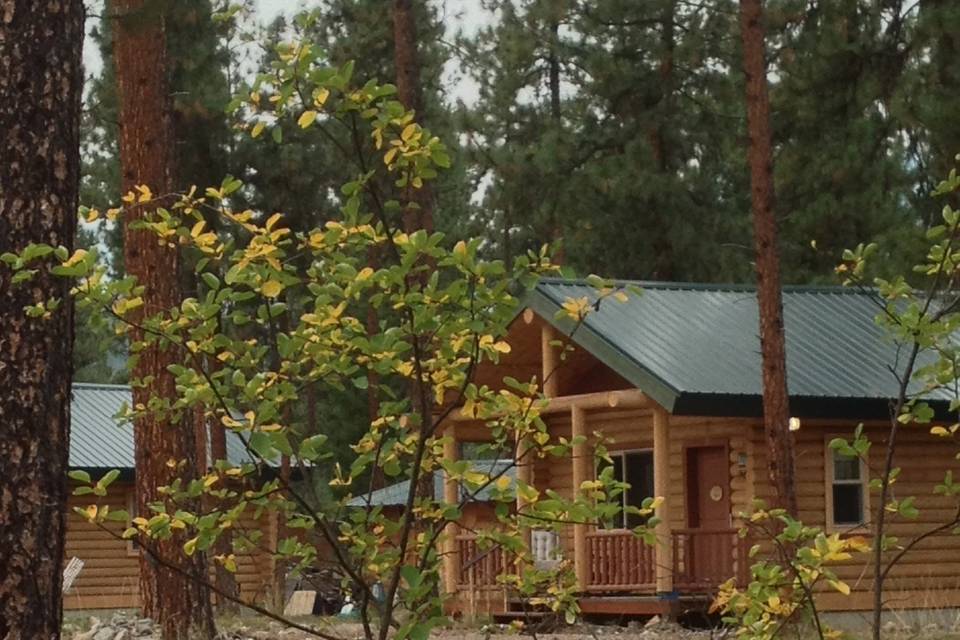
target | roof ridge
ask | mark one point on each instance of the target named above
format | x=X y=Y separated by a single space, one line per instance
x=100 y=385
x=709 y=286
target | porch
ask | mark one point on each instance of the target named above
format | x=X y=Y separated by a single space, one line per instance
x=700 y=470
x=619 y=565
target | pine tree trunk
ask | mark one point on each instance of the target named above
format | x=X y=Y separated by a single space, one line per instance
x=776 y=411
x=167 y=594
x=556 y=117
x=410 y=93
x=41 y=81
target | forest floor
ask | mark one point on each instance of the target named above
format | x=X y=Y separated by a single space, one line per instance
x=125 y=625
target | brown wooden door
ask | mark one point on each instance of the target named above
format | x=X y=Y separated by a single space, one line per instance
x=706 y=549
x=708 y=488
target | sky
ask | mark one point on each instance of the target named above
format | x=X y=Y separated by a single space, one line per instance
x=465 y=15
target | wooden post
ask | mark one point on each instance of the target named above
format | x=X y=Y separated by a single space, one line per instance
x=661 y=483
x=550 y=362
x=581 y=474
x=451 y=495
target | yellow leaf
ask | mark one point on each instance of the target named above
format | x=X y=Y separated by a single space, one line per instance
x=390 y=155
x=91 y=512
x=92 y=215
x=258 y=129
x=842 y=587
x=503 y=482
x=272 y=220
x=306 y=118
x=113 y=214
x=576 y=308
x=365 y=273
x=408 y=132
x=230 y=422
x=321 y=98
x=271 y=288
x=621 y=296
x=939 y=431
x=501 y=347
x=77 y=256
x=145 y=194
x=197 y=229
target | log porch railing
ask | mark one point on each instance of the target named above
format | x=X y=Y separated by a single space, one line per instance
x=620 y=562
x=479 y=568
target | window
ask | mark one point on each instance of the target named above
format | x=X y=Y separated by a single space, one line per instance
x=847 y=490
x=636 y=469
x=132 y=545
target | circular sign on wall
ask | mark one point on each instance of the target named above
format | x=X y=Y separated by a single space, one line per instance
x=716 y=493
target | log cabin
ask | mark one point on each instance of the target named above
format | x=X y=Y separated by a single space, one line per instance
x=672 y=378
x=110 y=575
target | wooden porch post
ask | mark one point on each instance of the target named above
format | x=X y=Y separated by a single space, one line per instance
x=581 y=474
x=661 y=483
x=451 y=495
x=551 y=362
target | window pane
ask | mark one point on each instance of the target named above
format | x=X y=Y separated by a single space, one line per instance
x=616 y=522
x=845 y=468
x=639 y=473
x=847 y=504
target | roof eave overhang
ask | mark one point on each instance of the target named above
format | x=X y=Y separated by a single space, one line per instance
x=603 y=350
x=811 y=407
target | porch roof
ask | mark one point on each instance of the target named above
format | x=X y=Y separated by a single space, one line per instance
x=695 y=348
x=395 y=495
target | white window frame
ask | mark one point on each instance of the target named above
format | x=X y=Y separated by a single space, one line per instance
x=830 y=481
x=132 y=550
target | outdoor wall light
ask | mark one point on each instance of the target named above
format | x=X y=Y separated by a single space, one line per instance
x=742 y=462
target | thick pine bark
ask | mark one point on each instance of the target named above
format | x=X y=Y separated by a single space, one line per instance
x=410 y=93
x=776 y=410
x=167 y=594
x=41 y=81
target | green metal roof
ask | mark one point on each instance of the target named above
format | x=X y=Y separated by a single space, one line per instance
x=395 y=495
x=695 y=349
x=99 y=441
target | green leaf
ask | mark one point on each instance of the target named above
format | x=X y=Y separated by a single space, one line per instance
x=262 y=444
x=79 y=476
x=108 y=479
x=312 y=447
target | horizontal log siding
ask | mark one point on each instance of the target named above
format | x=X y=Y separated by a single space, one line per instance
x=929 y=575
x=110 y=574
